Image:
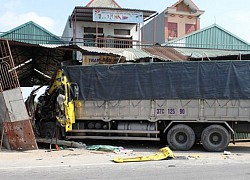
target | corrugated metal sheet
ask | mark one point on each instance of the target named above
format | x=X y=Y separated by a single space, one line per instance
x=204 y=53
x=100 y=50
x=137 y=53
x=165 y=53
x=116 y=51
x=131 y=54
x=52 y=46
x=212 y=37
x=31 y=33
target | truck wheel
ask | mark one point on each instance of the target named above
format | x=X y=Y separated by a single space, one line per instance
x=215 y=138
x=181 y=137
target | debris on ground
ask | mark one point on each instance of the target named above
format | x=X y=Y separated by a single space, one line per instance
x=107 y=148
x=99 y=152
x=227 y=153
x=57 y=142
x=165 y=153
x=71 y=155
x=194 y=156
x=181 y=158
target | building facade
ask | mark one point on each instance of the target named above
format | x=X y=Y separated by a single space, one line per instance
x=103 y=23
x=101 y=34
x=180 y=19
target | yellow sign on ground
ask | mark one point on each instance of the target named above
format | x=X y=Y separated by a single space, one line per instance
x=165 y=153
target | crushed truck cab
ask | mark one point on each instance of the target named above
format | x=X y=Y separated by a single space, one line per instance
x=66 y=115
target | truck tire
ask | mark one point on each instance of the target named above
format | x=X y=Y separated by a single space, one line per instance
x=215 y=138
x=181 y=137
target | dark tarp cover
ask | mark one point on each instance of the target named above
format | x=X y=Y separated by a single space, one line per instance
x=178 y=80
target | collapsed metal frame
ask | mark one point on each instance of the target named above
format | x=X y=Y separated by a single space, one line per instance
x=8 y=75
x=16 y=128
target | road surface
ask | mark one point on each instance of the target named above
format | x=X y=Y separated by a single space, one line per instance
x=83 y=164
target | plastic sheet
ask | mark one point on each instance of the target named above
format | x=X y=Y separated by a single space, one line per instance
x=179 y=80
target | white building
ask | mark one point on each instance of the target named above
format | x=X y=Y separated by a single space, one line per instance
x=103 y=23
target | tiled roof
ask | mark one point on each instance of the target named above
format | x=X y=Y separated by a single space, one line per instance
x=187 y=2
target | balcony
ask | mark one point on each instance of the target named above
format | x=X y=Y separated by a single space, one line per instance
x=107 y=42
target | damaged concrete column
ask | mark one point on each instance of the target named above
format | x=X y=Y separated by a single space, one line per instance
x=15 y=122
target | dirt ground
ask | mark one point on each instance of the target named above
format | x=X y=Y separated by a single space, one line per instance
x=73 y=156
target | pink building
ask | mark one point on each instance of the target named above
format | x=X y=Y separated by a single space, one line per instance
x=181 y=18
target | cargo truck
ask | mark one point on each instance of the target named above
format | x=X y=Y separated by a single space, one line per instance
x=181 y=102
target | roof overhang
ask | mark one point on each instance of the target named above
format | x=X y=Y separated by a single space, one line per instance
x=216 y=54
x=165 y=53
x=172 y=10
x=35 y=64
x=194 y=10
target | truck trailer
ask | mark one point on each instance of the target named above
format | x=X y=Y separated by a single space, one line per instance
x=182 y=103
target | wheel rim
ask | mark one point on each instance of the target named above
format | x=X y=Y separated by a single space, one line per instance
x=215 y=138
x=181 y=137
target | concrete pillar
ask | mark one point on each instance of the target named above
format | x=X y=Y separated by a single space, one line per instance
x=15 y=122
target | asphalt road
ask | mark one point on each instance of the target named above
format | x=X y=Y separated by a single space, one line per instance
x=81 y=164
x=149 y=170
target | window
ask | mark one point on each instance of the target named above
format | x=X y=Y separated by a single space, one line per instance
x=190 y=28
x=92 y=30
x=122 y=32
x=91 y=38
x=172 y=30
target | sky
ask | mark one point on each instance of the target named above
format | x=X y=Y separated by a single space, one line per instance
x=232 y=15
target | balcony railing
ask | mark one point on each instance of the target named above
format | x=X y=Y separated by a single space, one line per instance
x=107 y=42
